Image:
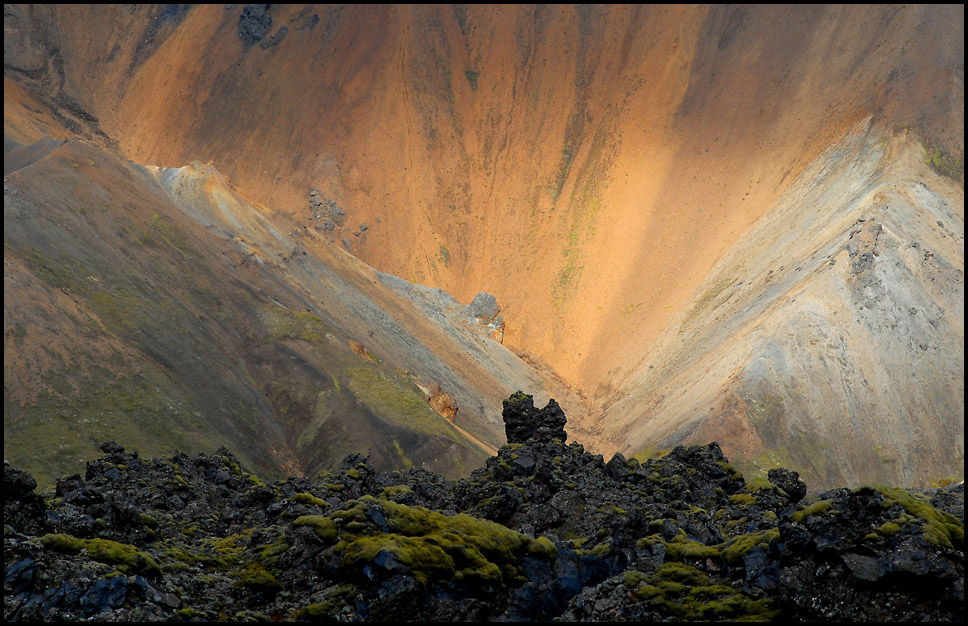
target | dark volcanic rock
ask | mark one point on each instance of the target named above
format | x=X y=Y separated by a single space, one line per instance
x=789 y=481
x=254 y=22
x=522 y=421
x=544 y=531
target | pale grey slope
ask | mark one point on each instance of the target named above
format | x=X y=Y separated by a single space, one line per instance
x=830 y=338
x=416 y=328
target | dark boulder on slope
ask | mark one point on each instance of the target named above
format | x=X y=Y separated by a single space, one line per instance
x=254 y=22
x=544 y=531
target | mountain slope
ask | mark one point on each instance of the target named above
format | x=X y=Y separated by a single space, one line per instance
x=830 y=337
x=601 y=169
x=160 y=307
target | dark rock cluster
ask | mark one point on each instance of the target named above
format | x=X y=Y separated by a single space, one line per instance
x=334 y=214
x=254 y=22
x=546 y=531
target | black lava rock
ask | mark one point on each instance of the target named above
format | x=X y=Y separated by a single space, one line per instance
x=523 y=422
x=545 y=531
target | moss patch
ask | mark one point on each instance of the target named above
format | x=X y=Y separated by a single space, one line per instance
x=310 y=500
x=128 y=558
x=817 y=508
x=731 y=551
x=324 y=527
x=684 y=593
x=436 y=547
x=940 y=528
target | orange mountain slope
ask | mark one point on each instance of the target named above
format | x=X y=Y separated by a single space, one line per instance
x=669 y=202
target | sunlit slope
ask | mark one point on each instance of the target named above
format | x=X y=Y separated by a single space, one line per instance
x=830 y=337
x=587 y=164
x=590 y=165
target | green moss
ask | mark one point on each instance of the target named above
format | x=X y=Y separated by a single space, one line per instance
x=544 y=548
x=334 y=598
x=149 y=521
x=940 y=528
x=731 y=551
x=742 y=499
x=396 y=490
x=230 y=548
x=734 y=549
x=128 y=558
x=759 y=484
x=817 y=508
x=943 y=162
x=189 y=530
x=324 y=527
x=254 y=480
x=67 y=544
x=731 y=471
x=683 y=593
x=310 y=500
x=427 y=562
x=678 y=572
x=437 y=547
x=680 y=548
x=656 y=525
x=271 y=553
x=255 y=577
x=732 y=525
x=888 y=529
x=633 y=578
x=355 y=527
x=187 y=613
x=182 y=556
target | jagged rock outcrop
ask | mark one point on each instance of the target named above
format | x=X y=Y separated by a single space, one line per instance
x=544 y=531
x=523 y=423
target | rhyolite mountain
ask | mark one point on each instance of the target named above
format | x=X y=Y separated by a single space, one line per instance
x=544 y=531
x=265 y=227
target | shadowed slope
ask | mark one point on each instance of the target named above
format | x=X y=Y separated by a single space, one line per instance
x=158 y=306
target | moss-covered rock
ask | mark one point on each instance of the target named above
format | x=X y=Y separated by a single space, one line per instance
x=432 y=547
x=128 y=558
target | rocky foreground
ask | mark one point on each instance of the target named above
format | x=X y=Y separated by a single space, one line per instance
x=545 y=531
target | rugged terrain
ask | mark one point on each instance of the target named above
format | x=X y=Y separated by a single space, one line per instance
x=160 y=308
x=699 y=222
x=544 y=531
